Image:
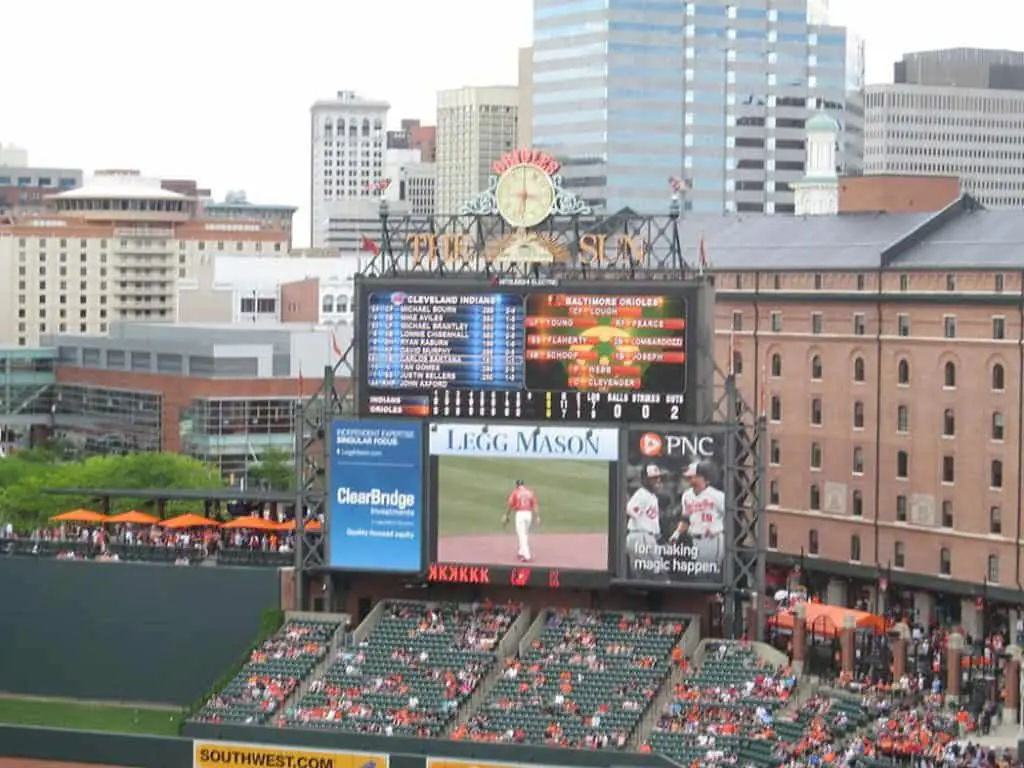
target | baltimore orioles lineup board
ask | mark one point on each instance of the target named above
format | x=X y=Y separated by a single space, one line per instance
x=526 y=352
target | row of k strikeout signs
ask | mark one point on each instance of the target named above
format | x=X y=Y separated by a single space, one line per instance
x=644 y=505
x=223 y=754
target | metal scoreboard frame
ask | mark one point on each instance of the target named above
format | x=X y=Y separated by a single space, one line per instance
x=571 y=246
x=567 y=405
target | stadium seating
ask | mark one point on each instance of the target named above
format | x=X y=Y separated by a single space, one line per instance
x=272 y=674
x=585 y=681
x=728 y=704
x=410 y=675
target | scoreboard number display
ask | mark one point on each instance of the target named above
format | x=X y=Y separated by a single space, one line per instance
x=570 y=353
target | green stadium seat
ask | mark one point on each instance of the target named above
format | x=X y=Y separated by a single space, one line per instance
x=410 y=676
x=272 y=674
x=584 y=683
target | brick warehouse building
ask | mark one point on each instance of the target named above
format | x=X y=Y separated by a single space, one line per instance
x=887 y=352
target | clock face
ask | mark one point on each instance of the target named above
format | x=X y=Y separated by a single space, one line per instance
x=526 y=196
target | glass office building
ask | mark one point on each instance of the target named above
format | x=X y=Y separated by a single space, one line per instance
x=628 y=93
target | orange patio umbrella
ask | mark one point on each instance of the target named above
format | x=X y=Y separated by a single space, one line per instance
x=79 y=516
x=133 y=517
x=311 y=525
x=189 y=520
x=252 y=523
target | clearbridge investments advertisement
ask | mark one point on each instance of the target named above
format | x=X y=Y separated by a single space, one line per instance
x=376 y=506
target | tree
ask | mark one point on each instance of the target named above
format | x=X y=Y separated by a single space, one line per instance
x=275 y=471
x=23 y=483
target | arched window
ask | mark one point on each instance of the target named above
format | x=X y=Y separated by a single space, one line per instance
x=858 y=415
x=949 y=377
x=945 y=562
x=812 y=541
x=902 y=464
x=899 y=555
x=341 y=303
x=858 y=504
x=998 y=377
x=776 y=409
x=903 y=372
x=995 y=474
x=815 y=500
x=327 y=304
x=773 y=536
x=855 y=548
x=366 y=127
x=737 y=362
x=816 y=368
x=776 y=364
x=858 y=369
x=948 y=423
x=998 y=426
x=993 y=569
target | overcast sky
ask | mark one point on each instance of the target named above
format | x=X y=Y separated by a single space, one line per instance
x=219 y=90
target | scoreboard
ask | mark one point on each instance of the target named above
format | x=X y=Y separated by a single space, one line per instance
x=561 y=352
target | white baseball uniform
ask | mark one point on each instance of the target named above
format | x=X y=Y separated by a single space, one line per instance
x=643 y=528
x=706 y=512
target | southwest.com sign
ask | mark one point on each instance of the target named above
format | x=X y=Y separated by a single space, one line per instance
x=492 y=440
x=217 y=754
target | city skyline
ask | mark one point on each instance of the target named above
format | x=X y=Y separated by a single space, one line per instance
x=188 y=117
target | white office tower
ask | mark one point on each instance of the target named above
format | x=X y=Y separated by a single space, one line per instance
x=411 y=180
x=475 y=127
x=347 y=136
x=12 y=156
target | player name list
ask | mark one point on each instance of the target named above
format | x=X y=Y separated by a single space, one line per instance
x=427 y=341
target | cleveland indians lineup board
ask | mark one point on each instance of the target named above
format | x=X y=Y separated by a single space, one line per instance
x=559 y=354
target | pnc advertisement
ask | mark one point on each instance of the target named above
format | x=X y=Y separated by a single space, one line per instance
x=375 y=511
x=508 y=495
x=672 y=513
x=223 y=754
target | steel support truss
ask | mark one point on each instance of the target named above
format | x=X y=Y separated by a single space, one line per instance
x=643 y=247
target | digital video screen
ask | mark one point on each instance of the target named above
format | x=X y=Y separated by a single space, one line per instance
x=672 y=513
x=525 y=353
x=508 y=495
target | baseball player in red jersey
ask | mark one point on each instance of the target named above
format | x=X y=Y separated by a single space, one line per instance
x=523 y=503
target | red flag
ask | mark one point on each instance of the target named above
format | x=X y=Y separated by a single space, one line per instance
x=370 y=246
x=335 y=345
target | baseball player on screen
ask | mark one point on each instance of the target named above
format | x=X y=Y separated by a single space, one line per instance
x=523 y=503
x=643 y=522
x=703 y=506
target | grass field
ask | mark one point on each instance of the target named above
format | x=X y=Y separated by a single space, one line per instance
x=472 y=494
x=89 y=716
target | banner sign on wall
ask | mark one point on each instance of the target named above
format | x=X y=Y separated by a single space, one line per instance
x=375 y=514
x=673 y=511
x=223 y=754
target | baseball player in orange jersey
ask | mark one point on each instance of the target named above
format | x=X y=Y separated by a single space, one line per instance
x=704 y=506
x=523 y=502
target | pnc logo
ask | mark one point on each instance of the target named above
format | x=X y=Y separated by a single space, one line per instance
x=651 y=445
